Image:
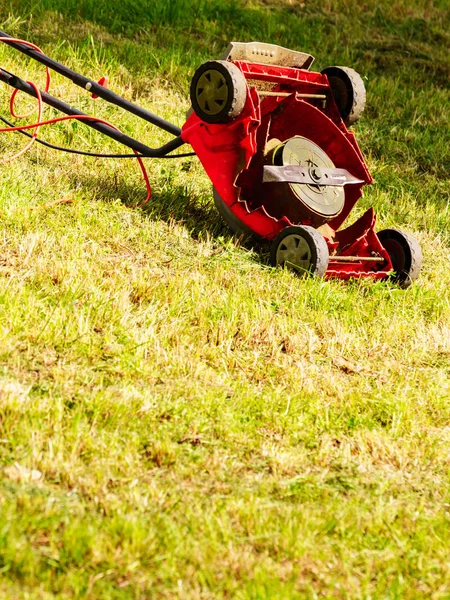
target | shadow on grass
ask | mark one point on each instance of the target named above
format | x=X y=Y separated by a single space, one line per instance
x=172 y=204
x=199 y=217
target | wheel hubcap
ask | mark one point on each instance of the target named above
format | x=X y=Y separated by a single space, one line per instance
x=294 y=252
x=212 y=92
x=326 y=200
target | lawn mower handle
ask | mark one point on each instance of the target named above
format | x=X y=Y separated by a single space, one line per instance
x=93 y=87
x=120 y=137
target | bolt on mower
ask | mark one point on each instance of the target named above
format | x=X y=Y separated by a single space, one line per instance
x=273 y=137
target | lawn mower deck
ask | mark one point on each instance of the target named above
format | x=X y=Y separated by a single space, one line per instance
x=273 y=138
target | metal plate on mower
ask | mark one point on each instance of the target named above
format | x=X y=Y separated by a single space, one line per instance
x=267 y=54
x=308 y=175
x=326 y=200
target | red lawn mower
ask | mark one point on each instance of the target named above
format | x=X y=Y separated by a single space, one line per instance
x=273 y=138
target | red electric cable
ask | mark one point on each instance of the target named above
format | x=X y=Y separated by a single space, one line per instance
x=40 y=123
x=36 y=127
x=47 y=70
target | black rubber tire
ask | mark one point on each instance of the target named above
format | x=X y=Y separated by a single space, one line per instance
x=405 y=254
x=224 y=89
x=300 y=242
x=236 y=226
x=349 y=92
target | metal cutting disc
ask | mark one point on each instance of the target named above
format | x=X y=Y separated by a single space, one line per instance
x=327 y=201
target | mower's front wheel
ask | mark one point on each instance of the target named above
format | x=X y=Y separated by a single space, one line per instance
x=218 y=91
x=405 y=254
x=302 y=249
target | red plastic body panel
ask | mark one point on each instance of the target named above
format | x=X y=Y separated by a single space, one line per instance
x=232 y=155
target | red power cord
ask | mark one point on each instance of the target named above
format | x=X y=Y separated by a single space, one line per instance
x=40 y=123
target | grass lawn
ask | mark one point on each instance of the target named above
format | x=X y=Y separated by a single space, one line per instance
x=177 y=418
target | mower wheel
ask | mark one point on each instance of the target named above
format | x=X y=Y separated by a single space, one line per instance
x=405 y=254
x=218 y=91
x=302 y=249
x=235 y=224
x=349 y=92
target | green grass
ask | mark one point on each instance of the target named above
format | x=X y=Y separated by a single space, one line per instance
x=177 y=419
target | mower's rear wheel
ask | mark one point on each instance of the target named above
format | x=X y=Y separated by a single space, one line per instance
x=302 y=249
x=349 y=92
x=218 y=91
x=233 y=222
x=405 y=254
